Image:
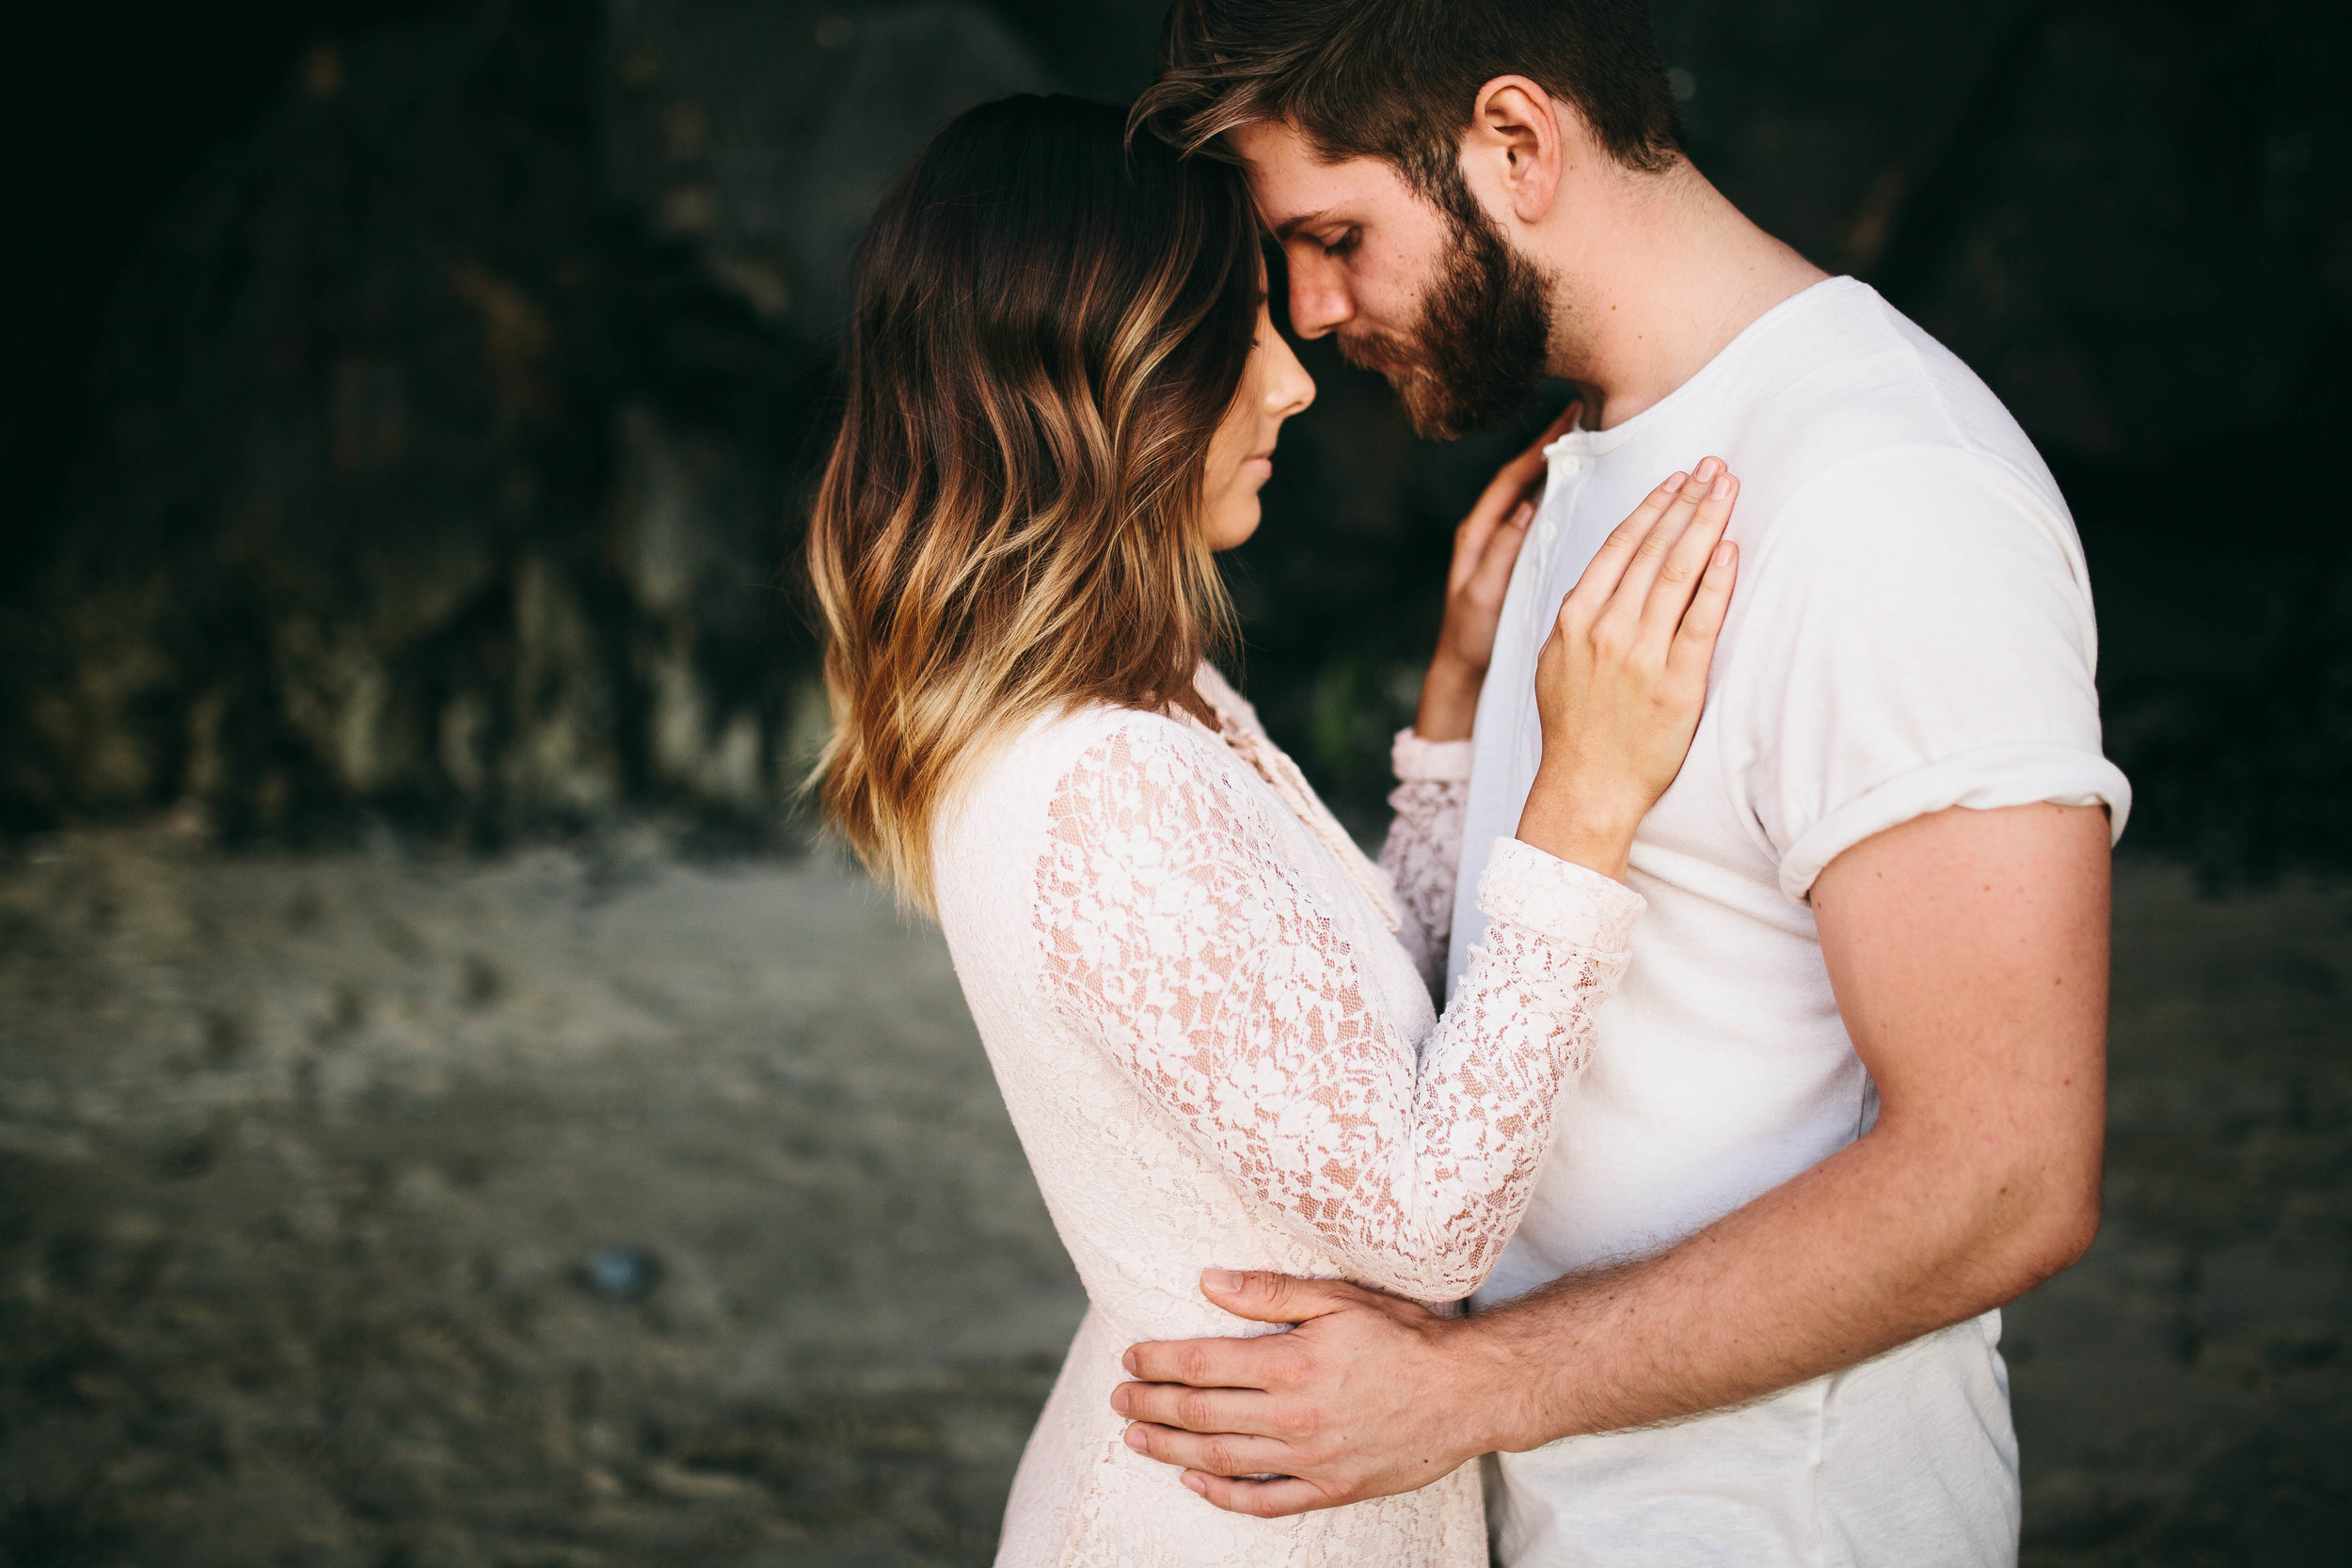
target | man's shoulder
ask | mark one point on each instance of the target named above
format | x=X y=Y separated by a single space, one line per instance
x=1852 y=384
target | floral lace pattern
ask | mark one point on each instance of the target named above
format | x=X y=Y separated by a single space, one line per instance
x=1174 y=927
x=1238 y=725
x=1203 y=1004
x=1422 y=853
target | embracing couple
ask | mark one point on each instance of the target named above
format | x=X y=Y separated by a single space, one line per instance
x=1766 y=923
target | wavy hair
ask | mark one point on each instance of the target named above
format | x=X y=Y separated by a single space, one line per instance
x=1051 y=322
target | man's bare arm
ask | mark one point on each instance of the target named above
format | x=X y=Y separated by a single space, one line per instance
x=1969 y=955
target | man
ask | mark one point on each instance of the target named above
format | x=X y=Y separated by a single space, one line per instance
x=1850 y=1098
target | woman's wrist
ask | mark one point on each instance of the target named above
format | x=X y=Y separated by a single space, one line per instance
x=1449 y=700
x=1585 y=825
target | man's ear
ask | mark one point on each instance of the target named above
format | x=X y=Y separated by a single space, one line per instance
x=1518 y=142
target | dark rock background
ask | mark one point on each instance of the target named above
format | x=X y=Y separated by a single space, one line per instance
x=411 y=403
x=409 y=406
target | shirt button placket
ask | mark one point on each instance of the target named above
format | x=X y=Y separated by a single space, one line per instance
x=1541 y=605
x=1564 y=468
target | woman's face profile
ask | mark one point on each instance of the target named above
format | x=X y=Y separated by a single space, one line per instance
x=1274 y=385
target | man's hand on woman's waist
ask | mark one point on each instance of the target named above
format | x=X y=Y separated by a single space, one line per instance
x=1968 y=951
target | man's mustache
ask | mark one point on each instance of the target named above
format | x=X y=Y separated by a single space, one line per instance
x=1376 y=351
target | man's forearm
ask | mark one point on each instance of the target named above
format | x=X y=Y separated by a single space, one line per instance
x=1969 y=954
x=1892 y=1238
x=1801 y=1282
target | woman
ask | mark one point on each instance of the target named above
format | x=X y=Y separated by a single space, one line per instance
x=1209 y=1013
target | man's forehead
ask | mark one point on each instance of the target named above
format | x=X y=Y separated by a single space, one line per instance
x=1295 y=186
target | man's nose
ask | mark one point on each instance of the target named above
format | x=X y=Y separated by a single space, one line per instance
x=1319 y=297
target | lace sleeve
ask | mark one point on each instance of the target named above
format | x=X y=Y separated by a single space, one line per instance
x=1175 y=930
x=1422 y=853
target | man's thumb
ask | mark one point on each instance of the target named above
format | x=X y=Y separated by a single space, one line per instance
x=1271 y=1298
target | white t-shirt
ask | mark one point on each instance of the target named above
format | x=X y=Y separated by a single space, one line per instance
x=1912 y=630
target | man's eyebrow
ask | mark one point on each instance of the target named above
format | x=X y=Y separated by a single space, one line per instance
x=1288 y=226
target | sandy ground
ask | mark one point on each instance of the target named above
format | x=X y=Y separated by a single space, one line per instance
x=606 y=1207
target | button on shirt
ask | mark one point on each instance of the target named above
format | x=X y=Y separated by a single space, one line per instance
x=1912 y=630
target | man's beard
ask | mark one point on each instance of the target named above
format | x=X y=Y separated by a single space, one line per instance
x=1478 y=352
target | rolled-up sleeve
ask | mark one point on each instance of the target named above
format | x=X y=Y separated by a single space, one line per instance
x=1920 y=637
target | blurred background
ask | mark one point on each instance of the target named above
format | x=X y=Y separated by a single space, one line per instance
x=452 y=1112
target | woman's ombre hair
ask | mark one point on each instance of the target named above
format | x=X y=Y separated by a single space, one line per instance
x=1050 y=323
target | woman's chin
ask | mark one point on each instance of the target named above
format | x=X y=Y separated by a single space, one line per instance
x=1235 y=527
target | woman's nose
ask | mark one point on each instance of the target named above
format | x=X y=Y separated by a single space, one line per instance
x=1290 y=389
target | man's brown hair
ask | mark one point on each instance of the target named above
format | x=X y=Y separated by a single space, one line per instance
x=1396 y=79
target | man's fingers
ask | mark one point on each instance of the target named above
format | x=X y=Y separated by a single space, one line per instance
x=1261 y=1500
x=1263 y=1296
x=1686 y=560
x=1203 y=1363
x=1242 y=1363
x=1205 y=1410
x=1222 y=1453
x=1607 y=567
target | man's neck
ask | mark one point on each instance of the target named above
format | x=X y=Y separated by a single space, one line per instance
x=1653 y=275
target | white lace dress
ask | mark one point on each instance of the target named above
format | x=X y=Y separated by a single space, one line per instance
x=1210 y=1015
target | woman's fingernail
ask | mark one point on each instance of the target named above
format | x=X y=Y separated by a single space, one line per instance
x=1709 y=466
x=1199 y=1484
x=1220 y=1280
x=1722 y=490
x=1673 y=482
x=1723 y=552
